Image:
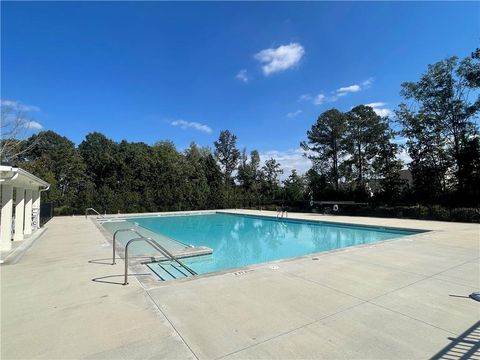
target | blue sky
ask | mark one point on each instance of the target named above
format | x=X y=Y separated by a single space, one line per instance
x=184 y=71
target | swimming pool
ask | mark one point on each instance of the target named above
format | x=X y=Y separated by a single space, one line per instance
x=242 y=240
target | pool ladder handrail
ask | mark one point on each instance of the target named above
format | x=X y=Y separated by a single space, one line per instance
x=92 y=209
x=153 y=244
x=281 y=213
x=115 y=240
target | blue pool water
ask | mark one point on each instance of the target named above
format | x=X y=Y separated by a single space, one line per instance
x=239 y=240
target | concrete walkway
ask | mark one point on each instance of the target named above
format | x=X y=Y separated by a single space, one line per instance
x=400 y=299
x=52 y=309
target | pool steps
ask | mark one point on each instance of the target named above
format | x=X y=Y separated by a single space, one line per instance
x=166 y=270
x=178 y=264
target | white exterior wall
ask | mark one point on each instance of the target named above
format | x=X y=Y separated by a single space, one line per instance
x=6 y=217
x=19 y=213
x=28 y=212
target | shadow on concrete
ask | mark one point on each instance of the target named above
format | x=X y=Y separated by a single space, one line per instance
x=101 y=261
x=108 y=261
x=459 y=296
x=465 y=346
x=101 y=279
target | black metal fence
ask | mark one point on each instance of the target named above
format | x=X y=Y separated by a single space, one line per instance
x=46 y=212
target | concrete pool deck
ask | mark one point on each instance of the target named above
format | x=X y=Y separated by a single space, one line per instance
x=399 y=299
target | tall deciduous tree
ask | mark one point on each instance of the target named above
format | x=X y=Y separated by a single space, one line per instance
x=271 y=171
x=441 y=112
x=248 y=171
x=196 y=180
x=387 y=169
x=428 y=151
x=294 y=187
x=469 y=170
x=366 y=133
x=101 y=157
x=227 y=154
x=56 y=159
x=325 y=144
x=14 y=127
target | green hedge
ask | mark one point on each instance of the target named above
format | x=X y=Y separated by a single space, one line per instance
x=465 y=215
x=435 y=212
x=63 y=210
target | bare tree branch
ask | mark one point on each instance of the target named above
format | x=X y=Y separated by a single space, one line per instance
x=14 y=126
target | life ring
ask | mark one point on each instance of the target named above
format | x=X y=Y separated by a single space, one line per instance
x=335 y=208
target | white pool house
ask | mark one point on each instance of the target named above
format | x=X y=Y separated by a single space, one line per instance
x=20 y=199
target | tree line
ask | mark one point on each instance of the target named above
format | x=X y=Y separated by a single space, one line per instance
x=354 y=156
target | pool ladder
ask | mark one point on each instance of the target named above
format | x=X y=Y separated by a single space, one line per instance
x=174 y=264
x=93 y=210
x=281 y=214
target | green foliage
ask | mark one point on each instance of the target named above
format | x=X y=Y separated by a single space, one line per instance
x=465 y=215
x=367 y=134
x=55 y=159
x=469 y=171
x=248 y=172
x=269 y=178
x=227 y=154
x=294 y=187
x=422 y=212
x=439 y=123
x=387 y=167
x=325 y=144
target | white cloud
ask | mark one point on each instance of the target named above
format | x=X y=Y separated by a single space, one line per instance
x=333 y=96
x=349 y=89
x=33 y=125
x=314 y=99
x=288 y=159
x=380 y=109
x=376 y=104
x=319 y=99
x=281 y=58
x=243 y=76
x=182 y=124
x=294 y=113
x=18 y=106
x=355 y=87
x=403 y=155
x=367 y=83
x=305 y=97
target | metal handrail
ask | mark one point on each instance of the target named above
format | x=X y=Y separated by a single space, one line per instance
x=115 y=238
x=171 y=256
x=92 y=209
x=156 y=246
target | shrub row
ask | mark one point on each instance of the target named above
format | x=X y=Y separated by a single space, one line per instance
x=435 y=212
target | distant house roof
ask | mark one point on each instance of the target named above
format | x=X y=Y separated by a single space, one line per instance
x=18 y=177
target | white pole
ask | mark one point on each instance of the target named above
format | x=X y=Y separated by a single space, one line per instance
x=19 y=213
x=6 y=217
x=28 y=212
